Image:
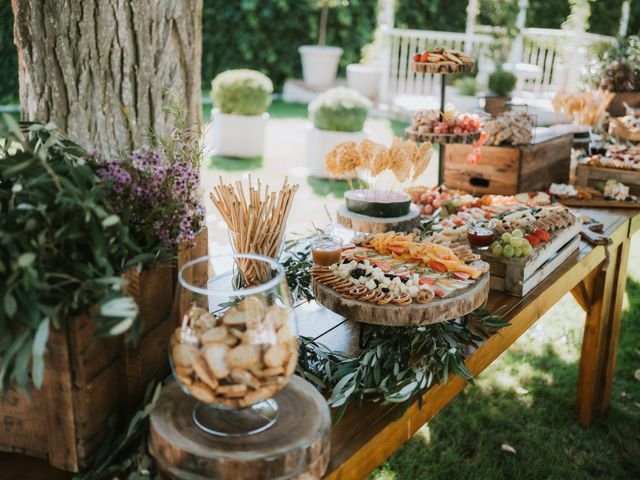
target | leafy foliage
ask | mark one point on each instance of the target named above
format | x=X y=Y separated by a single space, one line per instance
x=616 y=67
x=502 y=82
x=297 y=262
x=266 y=34
x=396 y=364
x=62 y=248
x=339 y=109
x=242 y=92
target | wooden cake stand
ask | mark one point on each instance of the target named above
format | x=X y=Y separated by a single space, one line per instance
x=295 y=447
x=367 y=224
x=460 y=303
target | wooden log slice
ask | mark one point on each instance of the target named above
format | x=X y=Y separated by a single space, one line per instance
x=460 y=303
x=367 y=224
x=441 y=67
x=295 y=447
x=441 y=138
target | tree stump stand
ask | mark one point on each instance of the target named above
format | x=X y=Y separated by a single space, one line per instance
x=295 y=447
x=367 y=224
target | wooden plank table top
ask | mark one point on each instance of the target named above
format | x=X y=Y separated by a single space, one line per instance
x=368 y=434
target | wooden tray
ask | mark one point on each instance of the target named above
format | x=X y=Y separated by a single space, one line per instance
x=441 y=67
x=296 y=446
x=460 y=303
x=442 y=138
x=591 y=203
x=589 y=176
x=520 y=277
x=618 y=129
x=367 y=224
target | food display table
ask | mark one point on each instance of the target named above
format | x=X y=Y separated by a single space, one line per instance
x=368 y=434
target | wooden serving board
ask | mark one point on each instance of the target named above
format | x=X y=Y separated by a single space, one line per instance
x=519 y=277
x=441 y=67
x=441 y=138
x=295 y=447
x=589 y=176
x=591 y=203
x=460 y=303
x=367 y=224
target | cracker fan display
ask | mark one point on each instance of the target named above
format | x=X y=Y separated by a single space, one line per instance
x=511 y=128
x=256 y=218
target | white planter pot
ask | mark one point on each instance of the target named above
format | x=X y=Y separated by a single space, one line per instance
x=319 y=142
x=319 y=65
x=239 y=136
x=364 y=79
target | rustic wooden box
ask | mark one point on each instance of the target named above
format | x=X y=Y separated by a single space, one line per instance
x=520 y=277
x=597 y=176
x=88 y=378
x=509 y=170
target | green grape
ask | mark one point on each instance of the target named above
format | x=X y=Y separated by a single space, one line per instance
x=526 y=250
x=517 y=252
x=525 y=242
x=517 y=242
x=494 y=244
x=517 y=233
x=508 y=251
x=497 y=250
x=506 y=237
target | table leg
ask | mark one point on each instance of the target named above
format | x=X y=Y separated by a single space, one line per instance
x=605 y=287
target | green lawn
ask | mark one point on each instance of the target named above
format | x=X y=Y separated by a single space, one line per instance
x=278 y=109
x=526 y=400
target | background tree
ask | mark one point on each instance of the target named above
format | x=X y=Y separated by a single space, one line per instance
x=101 y=70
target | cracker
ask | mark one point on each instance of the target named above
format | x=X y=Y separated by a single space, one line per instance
x=235 y=390
x=214 y=335
x=240 y=375
x=184 y=355
x=203 y=373
x=276 y=355
x=215 y=357
x=203 y=393
x=243 y=356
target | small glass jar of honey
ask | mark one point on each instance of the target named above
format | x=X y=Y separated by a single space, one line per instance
x=326 y=250
x=481 y=234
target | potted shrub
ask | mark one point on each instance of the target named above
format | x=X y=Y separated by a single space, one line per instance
x=364 y=77
x=320 y=62
x=337 y=116
x=466 y=85
x=501 y=84
x=241 y=98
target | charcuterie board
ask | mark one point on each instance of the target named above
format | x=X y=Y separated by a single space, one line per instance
x=458 y=304
x=598 y=203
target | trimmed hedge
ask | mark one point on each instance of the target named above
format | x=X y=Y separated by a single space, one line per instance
x=265 y=35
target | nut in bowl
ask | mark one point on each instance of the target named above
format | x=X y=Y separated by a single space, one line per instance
x=236 y=347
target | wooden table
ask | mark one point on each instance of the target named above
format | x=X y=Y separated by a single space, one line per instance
x=367 y=435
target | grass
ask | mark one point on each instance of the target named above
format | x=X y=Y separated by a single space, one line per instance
x=230 y=164
x=526 y=400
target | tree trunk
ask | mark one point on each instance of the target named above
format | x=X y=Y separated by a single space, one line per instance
x=103 y=70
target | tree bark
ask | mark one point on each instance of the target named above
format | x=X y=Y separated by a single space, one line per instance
x=103 y=70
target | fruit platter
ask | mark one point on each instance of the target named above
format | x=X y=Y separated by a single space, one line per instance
x=400 y=279
x=441 y=60
x=440 y=200
x=448 y=126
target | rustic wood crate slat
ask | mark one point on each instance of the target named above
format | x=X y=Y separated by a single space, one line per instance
x=597 y=176
x=507 y=170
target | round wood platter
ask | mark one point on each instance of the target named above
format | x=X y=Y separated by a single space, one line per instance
x=460 y=303
x=295 y=447
x=441 y=67
x=367 y=224
x=442 y=138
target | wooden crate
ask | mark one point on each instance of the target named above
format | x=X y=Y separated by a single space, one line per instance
x=88 y=378
x=597 y=176
x=509 y=170
x=520 y=277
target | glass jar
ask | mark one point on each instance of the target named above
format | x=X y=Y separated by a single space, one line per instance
x=326 y=249
x=236 y=347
